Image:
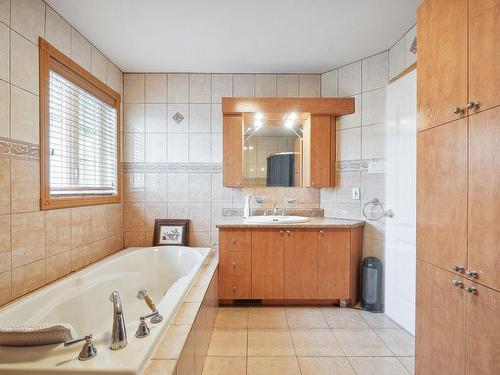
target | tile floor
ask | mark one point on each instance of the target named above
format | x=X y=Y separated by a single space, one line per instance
x=307 y=341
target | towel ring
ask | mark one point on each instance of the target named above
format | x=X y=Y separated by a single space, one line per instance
x=376 y=202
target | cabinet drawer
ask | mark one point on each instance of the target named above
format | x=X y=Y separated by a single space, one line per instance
x=235 y=263
x=234 y=287
x=235 y=239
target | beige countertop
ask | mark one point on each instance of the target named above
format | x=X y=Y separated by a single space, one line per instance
x=314 y=222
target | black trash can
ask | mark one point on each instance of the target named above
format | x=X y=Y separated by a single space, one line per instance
x=372 y=285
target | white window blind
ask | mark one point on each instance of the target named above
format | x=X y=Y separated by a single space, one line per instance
x=82 y=141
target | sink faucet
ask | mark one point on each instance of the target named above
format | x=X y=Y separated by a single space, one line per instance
x=275 y=208
x=119 y=332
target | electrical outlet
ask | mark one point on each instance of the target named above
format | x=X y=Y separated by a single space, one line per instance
x=355 y=193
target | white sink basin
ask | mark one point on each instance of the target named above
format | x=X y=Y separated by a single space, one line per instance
x=277 y=219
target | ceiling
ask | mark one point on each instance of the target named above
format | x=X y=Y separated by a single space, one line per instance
x=239 y=36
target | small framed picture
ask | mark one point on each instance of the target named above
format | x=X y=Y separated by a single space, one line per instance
x=171 y=232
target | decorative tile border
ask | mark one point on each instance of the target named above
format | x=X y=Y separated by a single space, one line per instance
x=355 y=165
x=19 y=150
x=173 y=167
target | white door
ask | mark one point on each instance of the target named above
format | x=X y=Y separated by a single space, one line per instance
x=400 y=197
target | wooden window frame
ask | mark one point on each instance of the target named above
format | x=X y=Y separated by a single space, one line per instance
x=53 y=59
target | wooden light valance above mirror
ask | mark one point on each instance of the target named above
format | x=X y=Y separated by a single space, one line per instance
x=315 y=150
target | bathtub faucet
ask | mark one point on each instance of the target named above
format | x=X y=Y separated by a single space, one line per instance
x=119 y=332
x=143 y=294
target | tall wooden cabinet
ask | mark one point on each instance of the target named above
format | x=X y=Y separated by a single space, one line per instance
x=458 y=188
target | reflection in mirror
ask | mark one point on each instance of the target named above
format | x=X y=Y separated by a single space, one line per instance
x=273 y=149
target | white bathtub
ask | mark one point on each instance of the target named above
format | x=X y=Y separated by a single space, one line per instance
x=82 y=300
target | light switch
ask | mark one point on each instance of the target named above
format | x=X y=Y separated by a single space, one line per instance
x=355 y=193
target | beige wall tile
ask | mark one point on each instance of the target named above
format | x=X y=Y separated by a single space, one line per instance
x=4 y=109
x=200 y=88
x=222 y=86
x=80 y=257
x=23 y=63
x=155 y=145
x=115 y=218
x=98 y=64
x=5 y=11
x=99 y=249
x=156 y=88
x=350 y=79
x=134 y=239
x=309 y=85
x=24 y=116
x=346 y=181
x=133 y=88
x=373 y=141
x=353 y=120
x=4 y=185
x=113 y=77
x=27 y=278
x=172 y=343
x=288 y=85
x=134 y=149
x=133 y=187
x=373 y=107
x=134 y=117
x=28 y=18
x=134 y=217
x=375 y=71
x=5 y=250
x=178 y=88
x=244 y=85
x=81 y=49
x=154 y=211
x=397 y=57
x=25 y=185
x=329 y=84
x=4 y=53
x=265 y=85
x=28 y=238
x=57 y=231
x=81 y=224
x=5 y=287
x=99 y=223
x=58 y=31
x=156 y=187
x=349 y=144
x=57 y=266
x=199 y=118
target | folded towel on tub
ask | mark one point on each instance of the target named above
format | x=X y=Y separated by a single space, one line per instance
x=38 y=334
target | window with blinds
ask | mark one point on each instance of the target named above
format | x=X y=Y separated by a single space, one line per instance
x=79 y=134
x=82 y=141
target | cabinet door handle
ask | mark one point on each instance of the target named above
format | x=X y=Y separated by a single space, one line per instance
x=322 y=232
x=457 y=283
x=234 y=264
x=234 y=240
x=471 y=289
x=460 y=269
x=281 y=232
x=288 y=232
x=234 y=288
x=459 y=111
x=471 y=273
x=473 y=105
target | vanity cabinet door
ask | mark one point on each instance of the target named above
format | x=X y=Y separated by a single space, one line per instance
x=483 y=331
x=233 y=150
x=334 y=252
x=484 y=197
x=442 y=62
x=268 y=264
x=321 y=152
x=301 y=264
x=484 y=53
x=442 y=195
x=440 y=324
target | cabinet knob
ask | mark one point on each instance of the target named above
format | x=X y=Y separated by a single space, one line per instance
x=473 y=105
x=460 y=269
x=459 y=111
x=281 y=232
x=234 y=240
x=322 y=232
x=234 y=288
x=288 y=232
x=234 y=264
x=471 y=273
x=457 y=283
x=471 y=289
x=313 y=184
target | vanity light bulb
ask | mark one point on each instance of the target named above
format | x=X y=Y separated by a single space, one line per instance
x=289 y=123
x=257 y=124
x=292 y=116
x=258 y=116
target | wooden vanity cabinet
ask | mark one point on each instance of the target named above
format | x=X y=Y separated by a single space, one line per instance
x=290 y=264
